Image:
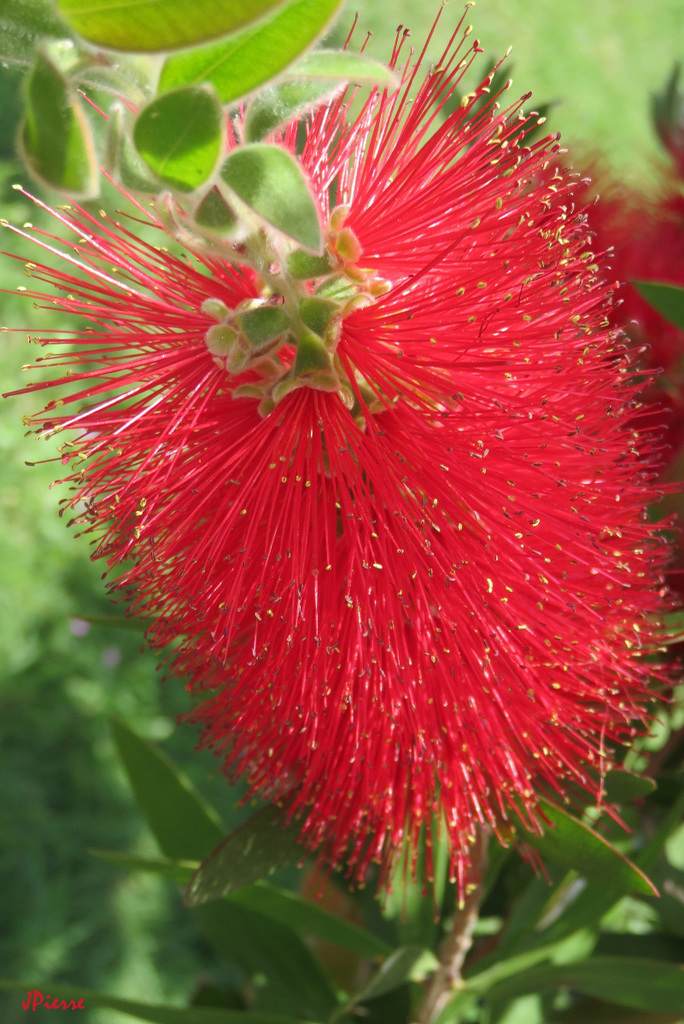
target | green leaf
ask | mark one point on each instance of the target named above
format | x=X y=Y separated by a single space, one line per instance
x=410 y=963
x=240 y=64
x=156 y=1014
x=181 y=136
x=185 y=827
x=573 y=844
x=131 y=171
x=344 y=66
x=596 y=898
x=22 y=23
x=260 y=945
x=125 y=622
x=179 y=871
x=667 y=299
x=627 y=981
x=280 y=103
x=55 y=138
x=156 y=25
x=621 y=787
x=256 y=849
x=270 y=182
x=309 y=919
x=673 y=624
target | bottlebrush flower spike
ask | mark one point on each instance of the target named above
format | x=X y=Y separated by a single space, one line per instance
x=401 y=545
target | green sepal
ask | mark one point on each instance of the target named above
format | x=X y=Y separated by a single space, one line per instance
x=262 y=325
x=317 y=313
x=213 y=214
x=312 y=355
x=304 y=265
x=338 y=288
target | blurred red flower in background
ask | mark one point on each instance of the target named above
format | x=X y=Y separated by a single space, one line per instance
x=407 y=553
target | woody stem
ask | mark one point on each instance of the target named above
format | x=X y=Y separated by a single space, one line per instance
x=447 y=979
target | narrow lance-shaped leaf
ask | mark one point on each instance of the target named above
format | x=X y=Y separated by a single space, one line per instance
x=621 y=787
x=181 y=136
x=573 y=844
x=302 y=916
x=157 y=25
x=240 y=64
x=179 y=871
x=667 y=299
x=308 y=918
x=261 y=945
x=255 y=849
x=125 y=622
x=55 y=139
x=185 y=827
x=409 y=963
x=626 y=981
x=271 y=183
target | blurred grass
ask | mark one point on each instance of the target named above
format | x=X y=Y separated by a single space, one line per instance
x=67 y=916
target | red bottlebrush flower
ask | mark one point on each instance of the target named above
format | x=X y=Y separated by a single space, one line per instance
x=405 y=549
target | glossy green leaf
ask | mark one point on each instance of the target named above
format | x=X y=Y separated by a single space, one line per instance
x=667 y=299
x=410 y=963
x=157 y=25
x=626 y=981
x=308 y=918
x=185 y=827
x=55 y=138
x=181 y=136
x=179 y=871
x=254 y=850
x=278 y=104
x=270 y=182
x=240 y=64
x=149 y=1012
x=260 y=945
x=621 y=787
x=22 y=23
x=575 y=845
x=344 y=66
x=596 y=898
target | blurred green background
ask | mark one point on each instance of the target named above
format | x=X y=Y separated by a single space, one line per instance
x=67 y=916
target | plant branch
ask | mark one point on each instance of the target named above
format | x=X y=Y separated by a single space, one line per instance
x=447 y=979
